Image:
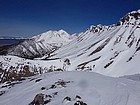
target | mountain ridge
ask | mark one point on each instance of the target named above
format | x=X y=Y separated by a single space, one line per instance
x=118 y=41
x=109 y=50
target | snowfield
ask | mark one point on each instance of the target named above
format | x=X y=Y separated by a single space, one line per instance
x=87 y=87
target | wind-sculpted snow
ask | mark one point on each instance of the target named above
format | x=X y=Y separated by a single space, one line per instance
x=69 y=88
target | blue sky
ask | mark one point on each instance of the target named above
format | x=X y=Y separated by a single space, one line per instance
x=31 y=17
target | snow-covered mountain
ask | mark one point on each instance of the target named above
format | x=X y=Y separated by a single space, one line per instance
x=39 y=45
x=110 y=50
x=56 y=37
x=70 y=88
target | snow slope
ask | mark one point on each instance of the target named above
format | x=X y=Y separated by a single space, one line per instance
x=87 y=87
x=13 y=67
x=110 y=50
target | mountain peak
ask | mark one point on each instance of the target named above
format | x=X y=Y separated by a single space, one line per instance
x=138 y=11
x=132 y=18
x=52 y=34
x=56 y=33
x=59 y=37
x=62 y=31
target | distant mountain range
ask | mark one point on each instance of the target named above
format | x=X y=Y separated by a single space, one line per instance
x=11 y=37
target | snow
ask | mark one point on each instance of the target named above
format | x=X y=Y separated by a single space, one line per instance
x=58 y=37
x=118 y=37
x=112 y=51
x=16 y=61
x=117 y=44
x=93 y=88
x=40 y=45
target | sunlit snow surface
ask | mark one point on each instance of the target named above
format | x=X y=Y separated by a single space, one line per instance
x=93 y=88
